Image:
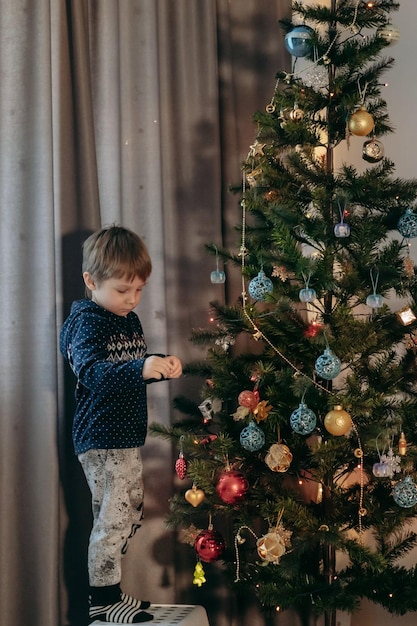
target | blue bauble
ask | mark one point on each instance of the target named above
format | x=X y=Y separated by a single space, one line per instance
x=298 y=41
x=307 y=294
x=260 y=286
x=252 y=437
x=407 y=224
x=328 y=365
x=303 y=420
x=405 y=493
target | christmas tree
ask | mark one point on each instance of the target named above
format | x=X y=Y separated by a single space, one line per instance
x=304 y=435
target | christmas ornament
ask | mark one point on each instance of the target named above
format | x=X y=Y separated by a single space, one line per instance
x=254 y=177
x=296 y=114
x=374 y=300
x=389 y=33
x=328 y=365
x=207 y=411
x=406 y=316
x=381 y=470
x=342 y=229
x=407 y=224
x=181 y=465
x=209 y=545
x=402 y=445
x=248 y=399
x=307 y=294
x=389 y=463
x=199 y=577
x=361 y=122
x=408 y=266
x=231 y=486
x=313 y=329
x=337 y=421
x=315 y=76
x=298 y=41
x=271 y=547
x=252 y=437
x=260 y=286
x=278 y=458
x=405 y=493
x=194 y=496
x=373 y=151
x=217 y=276
x=303 y=420
x=261 y=411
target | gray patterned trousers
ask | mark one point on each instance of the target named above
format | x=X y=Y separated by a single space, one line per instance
x=115 y=480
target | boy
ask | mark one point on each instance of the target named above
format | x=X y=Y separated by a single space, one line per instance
x=102 y=340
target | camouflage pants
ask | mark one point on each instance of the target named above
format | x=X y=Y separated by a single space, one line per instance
x=115 y=480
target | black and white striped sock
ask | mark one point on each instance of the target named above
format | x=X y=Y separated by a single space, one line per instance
x=138 y=604
x=119 y=613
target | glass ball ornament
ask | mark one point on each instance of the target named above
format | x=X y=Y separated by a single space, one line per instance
x=217 y=277
x=303 y=420
x=328 y=365
x=374 y=300
x=252 y=437
x=407 y=224
x=278 y=458
x=361 y=122
x=260 y=286
x=373 y=151
x=337 y=421
x=298 y=41
x=316 y=77
x=381 y=470
x=307 y=294
x=342 y=230
x=248 y=399
x=389 y=33
x=209 y=545
x=231 y=486
x=405 y=493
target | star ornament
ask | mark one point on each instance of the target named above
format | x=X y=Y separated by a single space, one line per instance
x=256 y=149
x=262 y=410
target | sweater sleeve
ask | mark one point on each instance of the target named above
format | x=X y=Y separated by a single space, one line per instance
x=93 y=363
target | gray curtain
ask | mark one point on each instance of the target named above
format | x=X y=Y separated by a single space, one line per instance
x=137 y=112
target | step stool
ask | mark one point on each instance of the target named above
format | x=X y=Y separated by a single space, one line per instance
x=173 y=615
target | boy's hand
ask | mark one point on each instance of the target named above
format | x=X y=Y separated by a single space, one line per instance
x=161 y=367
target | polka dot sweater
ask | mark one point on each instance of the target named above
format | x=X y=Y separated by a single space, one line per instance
x=106 y=353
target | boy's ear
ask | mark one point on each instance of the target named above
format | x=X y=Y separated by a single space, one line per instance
x=89 y=282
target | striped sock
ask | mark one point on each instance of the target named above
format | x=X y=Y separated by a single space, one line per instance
x=138 y=604
x=119 y=613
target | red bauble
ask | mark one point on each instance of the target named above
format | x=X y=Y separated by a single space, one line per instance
x=248 y=399
x=209 y=545
x=231 y=486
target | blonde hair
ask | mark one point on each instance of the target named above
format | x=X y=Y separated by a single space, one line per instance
x=117 y=252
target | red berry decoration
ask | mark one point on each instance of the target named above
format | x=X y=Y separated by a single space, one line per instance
x=248 y=399
x=181 y=466
x=231 y=486
x=209 y=545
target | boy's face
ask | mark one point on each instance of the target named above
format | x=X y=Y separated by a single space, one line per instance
x=118 y=295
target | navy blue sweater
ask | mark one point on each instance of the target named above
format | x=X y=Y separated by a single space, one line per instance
x=106 y=353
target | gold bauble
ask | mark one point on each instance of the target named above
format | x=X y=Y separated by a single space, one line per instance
x=338 y=421
x=278 y=458
x=271 y=547
x=361 y=123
